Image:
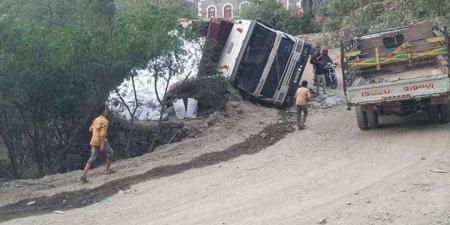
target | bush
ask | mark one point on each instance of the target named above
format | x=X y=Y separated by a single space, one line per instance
x=210 y=58
x=331 y=24
x=210 y=92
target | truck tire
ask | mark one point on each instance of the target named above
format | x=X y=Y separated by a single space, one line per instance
x=444 y=110
x=372 y=119
x=361 y=118
x=433 y=113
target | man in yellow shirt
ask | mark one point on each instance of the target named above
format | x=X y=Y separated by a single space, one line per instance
x=99 y=143
x=302 y=97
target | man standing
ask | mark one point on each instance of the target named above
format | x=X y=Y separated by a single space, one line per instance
x=99 y=143
x=319 y=77
x=302 y=97
x=322 y=61
x=314 y=59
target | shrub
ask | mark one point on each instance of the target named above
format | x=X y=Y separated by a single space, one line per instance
x=211 y=93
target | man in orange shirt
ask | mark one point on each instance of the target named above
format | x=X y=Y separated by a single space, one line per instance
x=302 y=97
x=99 y=143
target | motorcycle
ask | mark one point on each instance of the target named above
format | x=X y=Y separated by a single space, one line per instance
x=331 y=74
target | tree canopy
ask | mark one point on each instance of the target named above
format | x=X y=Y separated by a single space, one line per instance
x=276 y=15
x=59 y=59
x=369 y=15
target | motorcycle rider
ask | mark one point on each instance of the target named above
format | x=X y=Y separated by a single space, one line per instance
x=319 y=79
x=314 y=59
x=322 y=61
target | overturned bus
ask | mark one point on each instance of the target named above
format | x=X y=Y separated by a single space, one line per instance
x=263 y=63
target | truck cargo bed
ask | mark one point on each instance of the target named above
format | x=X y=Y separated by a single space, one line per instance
x=402 y=86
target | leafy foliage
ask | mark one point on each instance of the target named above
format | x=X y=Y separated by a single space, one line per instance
x=362 y=16
x=275 y=14
x=209 y=91
x=59 y=60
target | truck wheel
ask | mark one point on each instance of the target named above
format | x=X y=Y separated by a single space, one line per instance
x=433 y=113
x=372 y=119
x=361 y=118
x=444 y=110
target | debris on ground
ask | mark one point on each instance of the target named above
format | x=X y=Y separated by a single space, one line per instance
x=233 y=104
x=125 y=192
x=324 y=101
x=323 y=221
x=31 y=203
x=438 y=171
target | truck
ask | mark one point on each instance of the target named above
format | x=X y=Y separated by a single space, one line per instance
x=397 y=71
x=263 y=63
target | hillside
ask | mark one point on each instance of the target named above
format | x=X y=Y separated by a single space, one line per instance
x=361 y=16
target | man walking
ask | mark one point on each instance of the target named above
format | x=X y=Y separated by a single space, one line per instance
x=99 y=143
x=302 y=97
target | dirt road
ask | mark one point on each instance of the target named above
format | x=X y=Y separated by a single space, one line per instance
x=330 y=171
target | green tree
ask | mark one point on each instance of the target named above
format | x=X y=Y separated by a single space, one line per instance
x=59 y=59
x=431 y=9
x=275 y=14
x=370 y=15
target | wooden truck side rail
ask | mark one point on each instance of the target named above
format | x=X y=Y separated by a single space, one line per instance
x=376 y=60
x=404 y=53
